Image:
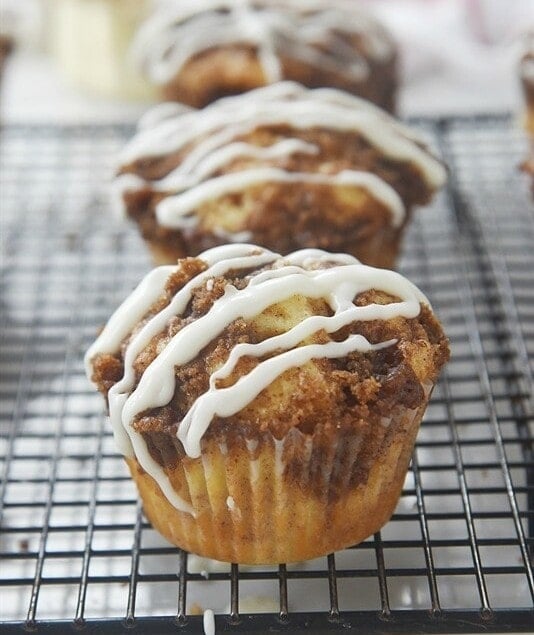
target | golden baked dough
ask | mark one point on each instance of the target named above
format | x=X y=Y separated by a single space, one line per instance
x=284 y=167
x=302 y=461
x=200 y=51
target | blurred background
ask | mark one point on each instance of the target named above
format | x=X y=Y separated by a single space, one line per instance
x=69 y=60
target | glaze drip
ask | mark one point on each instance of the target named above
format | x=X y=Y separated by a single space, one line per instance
x=210 y=140
x=337 y=279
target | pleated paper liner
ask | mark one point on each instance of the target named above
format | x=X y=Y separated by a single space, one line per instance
x=288 y=500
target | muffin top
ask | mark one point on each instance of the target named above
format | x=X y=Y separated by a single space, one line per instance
x=284 y=135
x=332 y=35
x=243 y=341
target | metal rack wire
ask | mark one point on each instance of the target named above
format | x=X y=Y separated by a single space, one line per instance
x=75 y=549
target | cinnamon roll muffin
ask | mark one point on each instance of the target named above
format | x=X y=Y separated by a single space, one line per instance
x=267 y=406
x=284 y=167
x=199 y=51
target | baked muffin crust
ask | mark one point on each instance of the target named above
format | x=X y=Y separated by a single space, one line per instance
x=283 y=167
x=201 y=51
x=348 y=395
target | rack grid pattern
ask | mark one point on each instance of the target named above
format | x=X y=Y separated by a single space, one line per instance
x=75 y=548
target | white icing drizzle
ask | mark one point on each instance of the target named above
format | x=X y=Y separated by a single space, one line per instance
x=175 y=211
x=215 y=131
x=208 y=622
x=285 y=103
x=135 y=307
x=312 y=273
x=178 y=31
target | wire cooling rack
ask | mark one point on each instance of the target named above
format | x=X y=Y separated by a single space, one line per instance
x=76 y=550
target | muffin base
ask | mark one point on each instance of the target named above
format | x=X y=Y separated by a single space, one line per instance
x=380 y=250
x=247 y=510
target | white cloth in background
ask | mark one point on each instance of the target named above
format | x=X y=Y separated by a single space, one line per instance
x=458 y=56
